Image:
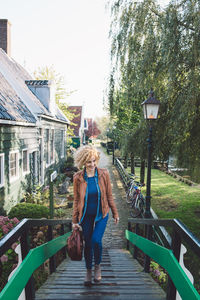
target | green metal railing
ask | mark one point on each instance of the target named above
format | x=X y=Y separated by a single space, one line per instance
x=167 y=258
x=35 y=258
x=32 y=258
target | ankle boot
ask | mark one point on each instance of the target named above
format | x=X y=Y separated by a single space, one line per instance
x=97 y=273
x=88 y=278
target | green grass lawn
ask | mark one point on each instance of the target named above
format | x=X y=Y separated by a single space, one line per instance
x=174 y=199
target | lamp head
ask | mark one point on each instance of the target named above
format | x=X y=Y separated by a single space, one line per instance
x=151 y=107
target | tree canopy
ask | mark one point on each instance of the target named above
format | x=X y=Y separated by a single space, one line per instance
x=49 y=73
x=157 y=48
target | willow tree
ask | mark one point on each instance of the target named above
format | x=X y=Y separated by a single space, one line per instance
x=158 y=48
x=134 y=53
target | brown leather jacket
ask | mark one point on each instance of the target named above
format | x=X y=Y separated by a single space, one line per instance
x=107 y=200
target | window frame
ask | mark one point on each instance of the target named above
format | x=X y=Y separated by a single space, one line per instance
x=62 y=155
x=2 y=158
x=28 y=168
x=47 y=147
x=14 y=178
x=52 y=140
x=50 y=133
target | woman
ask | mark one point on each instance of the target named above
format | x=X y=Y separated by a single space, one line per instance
x=92 y=201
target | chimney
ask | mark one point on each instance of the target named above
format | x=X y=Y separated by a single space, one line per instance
x=5 y=26
x=44 y=90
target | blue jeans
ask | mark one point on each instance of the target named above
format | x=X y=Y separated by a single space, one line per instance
x=93 y=234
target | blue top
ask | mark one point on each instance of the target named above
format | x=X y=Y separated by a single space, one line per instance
x=92 y=197
x=98 y=209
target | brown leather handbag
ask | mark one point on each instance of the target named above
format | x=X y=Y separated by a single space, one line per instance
x=75 y=244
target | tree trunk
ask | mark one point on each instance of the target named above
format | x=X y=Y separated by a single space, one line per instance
x=132 y=163
x=126 y=161
x=142 y=170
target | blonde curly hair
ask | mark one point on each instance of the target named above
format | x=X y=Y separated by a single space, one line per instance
x=83 y=154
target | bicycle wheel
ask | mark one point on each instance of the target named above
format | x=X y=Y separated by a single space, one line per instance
x=142 y=204
x=136 y=207
x=129 y=196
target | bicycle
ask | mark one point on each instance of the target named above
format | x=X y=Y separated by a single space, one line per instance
x=135 y=198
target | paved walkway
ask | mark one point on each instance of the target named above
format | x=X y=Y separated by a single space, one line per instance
x=114 y=235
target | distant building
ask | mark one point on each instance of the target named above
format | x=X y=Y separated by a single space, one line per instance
x=32 y=128
x=78 y=126
x=92 y=131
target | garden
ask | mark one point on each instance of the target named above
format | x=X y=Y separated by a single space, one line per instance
x=35 y=205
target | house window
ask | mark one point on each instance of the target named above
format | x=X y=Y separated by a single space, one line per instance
x=1 y=169
x=25 y=161
x=48 y=147
x=14 y=165
x=52 y=146
x=62 y=143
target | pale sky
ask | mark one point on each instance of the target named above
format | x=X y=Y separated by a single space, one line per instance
x=71 y=35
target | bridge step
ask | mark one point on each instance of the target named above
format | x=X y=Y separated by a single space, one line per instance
x=122 y=279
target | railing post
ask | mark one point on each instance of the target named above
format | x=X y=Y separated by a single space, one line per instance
x=136 y=248
x=176 y=248
x=148 y=234
x=64 y=249
x=51 y=200
x=52 y=263
x=29 y=288
x=127 y=242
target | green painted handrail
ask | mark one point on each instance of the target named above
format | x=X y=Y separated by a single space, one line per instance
x=32 y=261
x=165 y=258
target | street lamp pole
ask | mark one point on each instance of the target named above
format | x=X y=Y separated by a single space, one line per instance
x=148 y=185
x=151 y=107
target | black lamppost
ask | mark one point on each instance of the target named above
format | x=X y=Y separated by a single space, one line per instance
x=150 y=107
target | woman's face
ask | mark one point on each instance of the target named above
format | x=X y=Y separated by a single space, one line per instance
x=91 y=164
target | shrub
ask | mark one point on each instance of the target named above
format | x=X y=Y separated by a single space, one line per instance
x=69 y=163
x=29 y=210
x=117 y=153
x=158 y=274
x=8 y=260
x=39 y=195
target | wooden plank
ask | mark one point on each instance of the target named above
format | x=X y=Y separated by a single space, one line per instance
x=122 y=278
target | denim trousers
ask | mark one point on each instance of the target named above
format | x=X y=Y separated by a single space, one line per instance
x=93 y=234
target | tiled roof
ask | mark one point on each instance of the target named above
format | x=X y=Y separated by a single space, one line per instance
x=77 y=111
x=15 y=76
x=11 y=106
x=36 y=82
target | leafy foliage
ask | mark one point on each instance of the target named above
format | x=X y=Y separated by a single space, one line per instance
x=49 y=73
x=152 y=47
x=8 y=260
x=158 y=274
x=29 y=210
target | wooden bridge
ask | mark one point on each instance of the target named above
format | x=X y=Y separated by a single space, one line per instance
x=123 y=277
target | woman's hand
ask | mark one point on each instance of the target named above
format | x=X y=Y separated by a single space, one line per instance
x=76 y=225
x=116 y=220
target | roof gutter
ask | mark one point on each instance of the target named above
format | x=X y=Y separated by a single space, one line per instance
x=17 y=123
x=54 y=119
